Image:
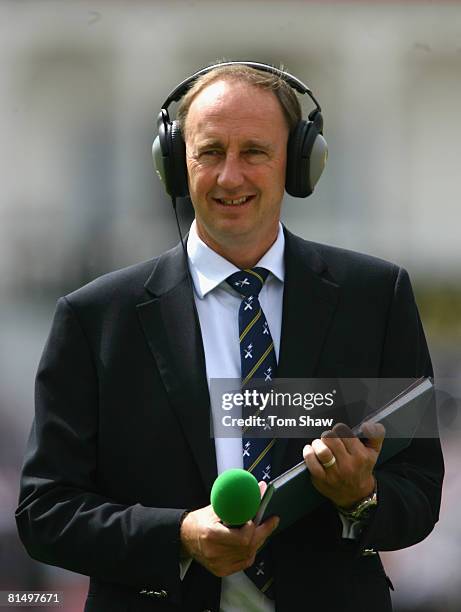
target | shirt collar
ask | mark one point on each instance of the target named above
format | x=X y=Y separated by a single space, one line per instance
x=208 y=269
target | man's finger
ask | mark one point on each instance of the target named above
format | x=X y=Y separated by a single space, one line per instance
x=262 y=487
x=312 y=463
x=264 y=530
x=336 y=446
x=375 y=433
x=323 y=451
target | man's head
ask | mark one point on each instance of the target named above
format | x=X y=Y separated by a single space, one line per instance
x=235 y=122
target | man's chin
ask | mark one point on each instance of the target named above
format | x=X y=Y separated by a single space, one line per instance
x=227 y=234
x=237 y=230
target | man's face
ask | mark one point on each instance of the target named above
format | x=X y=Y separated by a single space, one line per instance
x=236 y=140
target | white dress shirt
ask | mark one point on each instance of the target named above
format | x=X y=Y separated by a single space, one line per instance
x=218 y=306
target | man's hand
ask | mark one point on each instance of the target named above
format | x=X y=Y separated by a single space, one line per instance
x=223 y=550
x=349 y=478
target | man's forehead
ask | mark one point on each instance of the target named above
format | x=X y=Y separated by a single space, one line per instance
x=237 y=103
x=234 y=96
x=223 y=88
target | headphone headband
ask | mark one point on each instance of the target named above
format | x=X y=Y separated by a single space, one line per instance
x=179 y=91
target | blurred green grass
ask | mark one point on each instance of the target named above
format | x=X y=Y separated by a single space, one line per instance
x=440 y=309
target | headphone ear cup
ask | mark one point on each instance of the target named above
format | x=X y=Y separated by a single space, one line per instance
x=179 y=183
x=318 y=159
x=296 y=175
x=160 y=150
x=169 y=155
x=306 y=157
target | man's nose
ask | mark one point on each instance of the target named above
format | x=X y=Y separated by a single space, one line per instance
x=230 y=174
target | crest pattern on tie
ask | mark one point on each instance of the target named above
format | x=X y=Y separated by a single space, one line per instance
x=258 y=362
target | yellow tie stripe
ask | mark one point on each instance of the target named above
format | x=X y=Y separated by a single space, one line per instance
x=250 y=325
x=261 y=280
x=258 y=363
x=267 y=585
x=264 y=452
x=246 y=427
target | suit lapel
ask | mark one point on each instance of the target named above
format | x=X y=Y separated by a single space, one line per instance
x=309 y=302
x=171 y=326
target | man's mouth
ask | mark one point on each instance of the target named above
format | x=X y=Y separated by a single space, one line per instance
x=234 y=201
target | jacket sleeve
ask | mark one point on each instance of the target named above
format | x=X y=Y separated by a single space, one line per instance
x=409 y=485
x=61 y=518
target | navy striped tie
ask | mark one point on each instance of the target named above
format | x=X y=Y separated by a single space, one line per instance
x=258 y=361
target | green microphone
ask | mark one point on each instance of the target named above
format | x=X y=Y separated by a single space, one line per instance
x=235 y=497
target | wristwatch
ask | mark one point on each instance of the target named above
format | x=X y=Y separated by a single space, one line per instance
x=362 y=509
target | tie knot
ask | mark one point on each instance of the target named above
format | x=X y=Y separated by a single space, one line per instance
x=248 y=282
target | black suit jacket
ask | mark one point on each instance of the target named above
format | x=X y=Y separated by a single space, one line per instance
x=120 y=445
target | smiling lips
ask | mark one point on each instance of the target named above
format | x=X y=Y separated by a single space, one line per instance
x=234 y=202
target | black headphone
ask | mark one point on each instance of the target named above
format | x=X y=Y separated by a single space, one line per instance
x=307 y=149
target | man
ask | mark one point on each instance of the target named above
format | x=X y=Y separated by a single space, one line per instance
x=120 y=462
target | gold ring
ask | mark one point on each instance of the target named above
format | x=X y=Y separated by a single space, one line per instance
x=329 y=463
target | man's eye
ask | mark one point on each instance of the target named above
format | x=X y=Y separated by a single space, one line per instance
x=255 y=152
x=210 y=152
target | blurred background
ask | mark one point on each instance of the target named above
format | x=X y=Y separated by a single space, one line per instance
x=81 y=84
